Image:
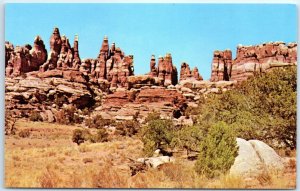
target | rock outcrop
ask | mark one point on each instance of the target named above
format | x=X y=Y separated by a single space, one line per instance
x=45 y=95
x=251 y=60
x=255 y=158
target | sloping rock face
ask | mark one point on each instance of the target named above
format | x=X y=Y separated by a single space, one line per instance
x=251 y=60
x=48 y=95
x=255 y=158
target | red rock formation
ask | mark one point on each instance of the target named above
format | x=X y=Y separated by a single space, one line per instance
x=221 y=65
x=185 y=72
x=55 y=48
x=102 y=58
x=76 y=58
x=261 y=58
x=9 y=49
x=19 y=61
x=66 y=56
x=150 y=95
x=166 y=70
x=38 y=54
x=196 y=74
x=153 y=69
x=113 y=65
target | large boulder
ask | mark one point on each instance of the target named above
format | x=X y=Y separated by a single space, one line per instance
x=247 y=163
x=268 y=156
x=255 y=158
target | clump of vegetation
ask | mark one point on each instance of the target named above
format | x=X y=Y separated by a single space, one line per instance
x=152 y=116
x=24 y=133
x=35 y=116
x=157 y=134
x=81 y=135
x=68 y=115
x=127 y=128
x=217 y=151
x=263 y=107
x=98 y=122
x=100 y=136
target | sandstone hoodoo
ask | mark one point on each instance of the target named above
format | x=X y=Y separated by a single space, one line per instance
x=186 y=73
x=221 y=65
x=251 y=60
x=165 y=70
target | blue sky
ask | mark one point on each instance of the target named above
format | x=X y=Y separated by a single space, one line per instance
x=190 y=32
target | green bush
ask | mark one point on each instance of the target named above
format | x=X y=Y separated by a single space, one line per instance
x=157 y=134
x=187 y=138
x=217 y=151
x=152 y=116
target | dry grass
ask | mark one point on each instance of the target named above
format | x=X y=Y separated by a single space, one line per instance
x=49 y=159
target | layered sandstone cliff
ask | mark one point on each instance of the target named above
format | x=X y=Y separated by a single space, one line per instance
x=251 y=60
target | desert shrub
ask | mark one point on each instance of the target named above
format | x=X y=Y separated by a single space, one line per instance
x=10 y=123
x=157 y=134
x=35 y=116
x=263 y=107
x=127 y=128
x=68 y=115
x=152 y=116
x=98 y=122
x=217 y=151
x=100 y=136
x=24 y=133
x=79 y=136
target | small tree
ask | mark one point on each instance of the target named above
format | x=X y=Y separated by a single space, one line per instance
x=217 y=151
x=156 y=135
x=188 y=138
